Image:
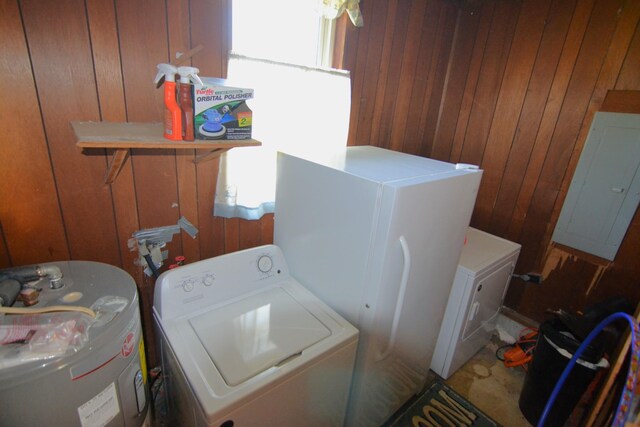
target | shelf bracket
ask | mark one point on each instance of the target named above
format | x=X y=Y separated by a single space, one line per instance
x=121 y=155
x=115 y=165
x=210 y=155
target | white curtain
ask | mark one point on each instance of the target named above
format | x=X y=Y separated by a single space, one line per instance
x=296 y=109
x=332 y=9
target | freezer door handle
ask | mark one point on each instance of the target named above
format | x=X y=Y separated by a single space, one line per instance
x=406 y=267
x=474 y=310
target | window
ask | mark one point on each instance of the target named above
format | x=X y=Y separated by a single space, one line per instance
x=288 y=31
x=281 y=49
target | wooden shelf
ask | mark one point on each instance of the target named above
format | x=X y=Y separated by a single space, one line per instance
x=123 y=136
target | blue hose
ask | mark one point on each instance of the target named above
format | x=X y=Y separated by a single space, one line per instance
x=630 y=384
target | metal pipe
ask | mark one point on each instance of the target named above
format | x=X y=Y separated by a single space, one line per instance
x=53 y=273
x=27 y=274
x=21 y=274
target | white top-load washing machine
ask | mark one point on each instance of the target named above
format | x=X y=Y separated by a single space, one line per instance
x=480 y=284
x=244 y=344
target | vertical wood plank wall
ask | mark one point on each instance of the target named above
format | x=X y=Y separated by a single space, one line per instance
x=510 y=85
x=96 y=60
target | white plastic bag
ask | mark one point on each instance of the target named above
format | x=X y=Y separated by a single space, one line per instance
x=25 y=338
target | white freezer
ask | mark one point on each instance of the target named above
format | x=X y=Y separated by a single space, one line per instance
x=377 y=235
x=479 y=287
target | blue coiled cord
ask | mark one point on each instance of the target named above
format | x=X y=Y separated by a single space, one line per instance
x=630 y=384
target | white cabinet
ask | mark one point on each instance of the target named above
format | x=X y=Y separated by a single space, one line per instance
x=479 y=286
x=605 y=189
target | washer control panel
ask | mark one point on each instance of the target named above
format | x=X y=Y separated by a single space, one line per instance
x=190 y=284
x=217 y=279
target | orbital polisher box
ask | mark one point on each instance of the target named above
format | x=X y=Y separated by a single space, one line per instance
x=220 y=111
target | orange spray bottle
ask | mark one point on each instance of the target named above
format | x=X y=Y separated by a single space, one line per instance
x=172 y=114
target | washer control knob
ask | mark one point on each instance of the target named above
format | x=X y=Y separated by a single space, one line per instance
x=265 y=263
x=208 y=280
x=187 y=286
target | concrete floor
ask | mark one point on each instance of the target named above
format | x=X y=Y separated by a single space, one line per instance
x=491 y=387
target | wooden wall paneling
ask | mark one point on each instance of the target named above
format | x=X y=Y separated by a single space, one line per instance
x=250 y=234
x=178 y=23
x=621 y=54
x=64 y=75
x=105 y=48
x=473 y=75
x=466 y=28
x=579 y=95
x=379 y=62
x=494 y=60
x=408 y=73
x=210 y=228
x=561 y=78
x=5 y=262
x=568 y=58
x=618 y=47
x=208 y=25
x=179 y=41
x=142 y=30
x=347 y=61
x=583 y=80
x=142 y=27
x=371 y=62
x=351 y=59
x=340 y=37
x=427 y=53
x=432 y=103
x=30 y=217
x=267 y=224
x=515 y=82
x=386 y=99
x=621 y=277
x=625 y=268
x=188 y=202
x=126 y=214
x=264 y=233
x=547 y=58
x=231 y=235
x=106 y=61
x=629 y=17
x=629 y=78
x=622 y=101
x=211 y=27
x=561 y=288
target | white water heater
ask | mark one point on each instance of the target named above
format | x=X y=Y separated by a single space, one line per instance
x=68 y=368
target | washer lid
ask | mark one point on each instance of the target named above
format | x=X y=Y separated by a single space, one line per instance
x=251 y=335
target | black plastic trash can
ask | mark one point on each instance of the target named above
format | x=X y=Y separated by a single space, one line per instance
x=546 y=368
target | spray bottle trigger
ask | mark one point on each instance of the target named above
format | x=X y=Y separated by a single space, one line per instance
x=197 y=79
x=167 y=71
x=159 y=79
x=187 y=73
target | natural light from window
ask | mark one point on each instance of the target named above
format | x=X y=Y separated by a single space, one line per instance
x=299 y=106
x=285 y=31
